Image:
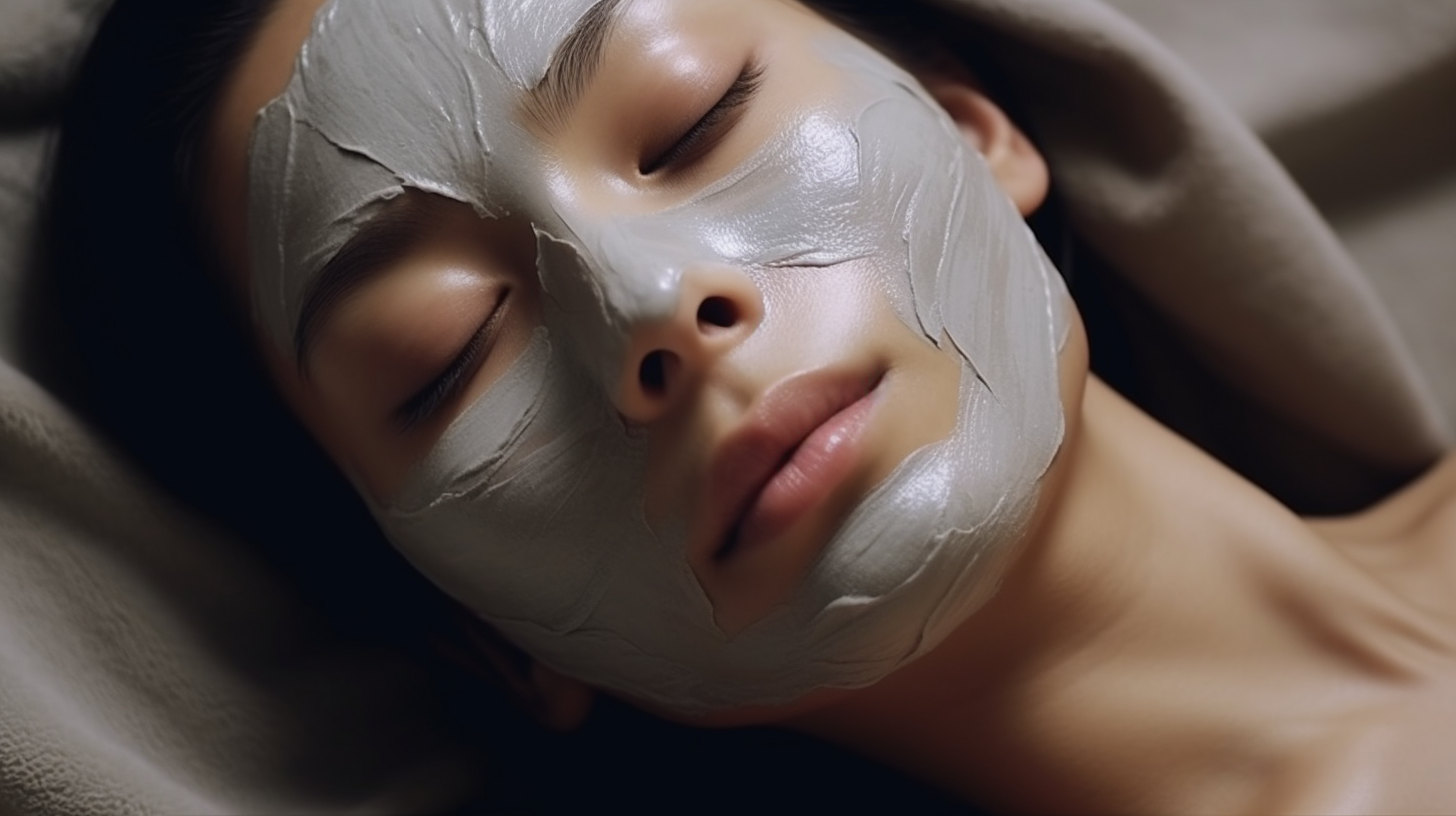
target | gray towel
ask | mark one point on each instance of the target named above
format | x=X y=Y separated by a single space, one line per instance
x=151 y=664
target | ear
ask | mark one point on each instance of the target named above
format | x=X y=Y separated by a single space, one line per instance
x=1013 y=159
x=558 y=702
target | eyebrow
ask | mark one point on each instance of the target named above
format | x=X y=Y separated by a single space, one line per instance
x=573 y=68
x=386 y=237
x=403 y=220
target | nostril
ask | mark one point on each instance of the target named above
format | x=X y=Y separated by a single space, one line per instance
x=717 y=312
x=655 y=370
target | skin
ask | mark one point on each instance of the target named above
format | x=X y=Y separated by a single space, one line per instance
x=1170 y=638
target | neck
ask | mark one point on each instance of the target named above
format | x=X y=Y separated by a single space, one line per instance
x=1166 y=638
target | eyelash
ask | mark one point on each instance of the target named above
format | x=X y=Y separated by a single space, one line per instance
x=740 y=93
x=433 y=396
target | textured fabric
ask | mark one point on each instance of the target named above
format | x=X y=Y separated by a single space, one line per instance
x=148 y=666
x=39 y=40
x=151 y=664
x=1355 y=99
x=1177 y=196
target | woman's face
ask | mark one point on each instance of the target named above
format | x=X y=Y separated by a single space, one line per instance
x=643 y=357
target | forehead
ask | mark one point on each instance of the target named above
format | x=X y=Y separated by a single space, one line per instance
x=532 y=28
x=389 y=96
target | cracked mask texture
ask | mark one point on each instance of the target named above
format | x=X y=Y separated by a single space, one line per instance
x=529 y=509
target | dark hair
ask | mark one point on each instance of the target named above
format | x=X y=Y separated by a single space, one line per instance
x=122 y=251
x=155 y=354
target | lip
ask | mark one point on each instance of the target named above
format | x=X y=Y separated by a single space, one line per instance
x=799 y=442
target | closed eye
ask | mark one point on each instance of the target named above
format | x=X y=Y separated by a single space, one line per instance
x=711 y=128
x=428 y=401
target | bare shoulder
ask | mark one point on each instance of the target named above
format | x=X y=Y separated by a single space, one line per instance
x=1397 y=762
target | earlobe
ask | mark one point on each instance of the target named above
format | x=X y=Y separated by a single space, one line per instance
x=1013 y=159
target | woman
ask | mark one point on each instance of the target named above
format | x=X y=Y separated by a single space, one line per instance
x=1122 y=547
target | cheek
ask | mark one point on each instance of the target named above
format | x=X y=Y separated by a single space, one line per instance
x=677 y=449
x=822 y=314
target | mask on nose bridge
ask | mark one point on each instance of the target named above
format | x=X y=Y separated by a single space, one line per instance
x=530 y=508
x=796 y=203
x=602 y=284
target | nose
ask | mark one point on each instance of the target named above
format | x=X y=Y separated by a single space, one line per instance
x=718 y=307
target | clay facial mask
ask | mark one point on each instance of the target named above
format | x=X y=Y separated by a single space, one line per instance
x=530 y=508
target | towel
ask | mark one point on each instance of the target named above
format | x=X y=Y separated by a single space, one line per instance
x=1263 y=199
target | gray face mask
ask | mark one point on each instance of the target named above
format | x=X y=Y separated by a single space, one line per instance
x=530 y=508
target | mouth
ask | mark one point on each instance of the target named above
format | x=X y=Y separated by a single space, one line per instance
x=800 y=442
